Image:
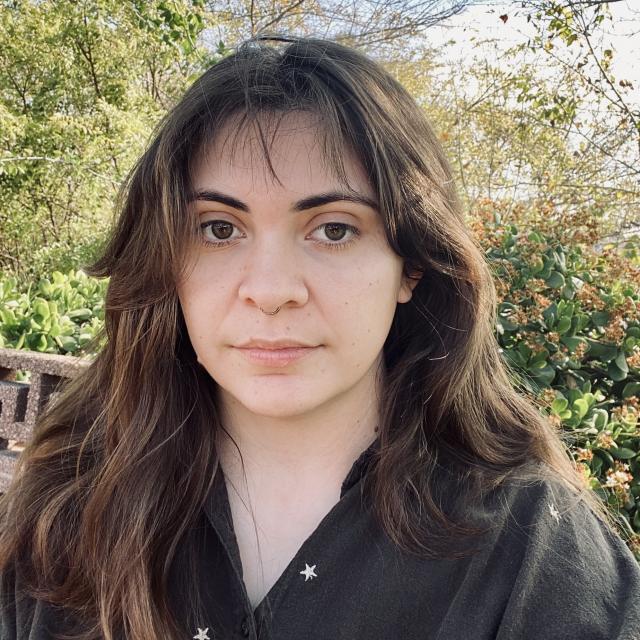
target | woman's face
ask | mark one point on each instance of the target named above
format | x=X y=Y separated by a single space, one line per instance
x=308 y=245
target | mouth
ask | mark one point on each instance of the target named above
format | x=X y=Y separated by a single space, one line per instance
x=275 y=357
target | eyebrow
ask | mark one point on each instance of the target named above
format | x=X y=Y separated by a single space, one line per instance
x=301 y=205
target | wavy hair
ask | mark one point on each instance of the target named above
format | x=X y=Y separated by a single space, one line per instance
x=119 y=466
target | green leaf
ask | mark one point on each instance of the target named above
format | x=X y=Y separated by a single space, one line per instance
x=600 y=351
x=41 y=308
x=581 y=407
x=45 y=288
x=622 y=453
x=534 y=236
x=601 y=419
x=600 y=318
x=564 y=324
x=544 y=376
x=41 y=343
x=537 y=265
x=540 y=357
x=69 y=344
x=559 y=405
x=607 y=458
x=555 y=280
x=631 y=389
x=80 y=314
x=514 y=358
x=550 y=314
x=615 y=373
x=621 y=362
x=574 y=394
x=572 y=342
x=579 y=322
x=507 y=324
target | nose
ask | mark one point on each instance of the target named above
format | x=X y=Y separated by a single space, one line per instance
x=273 y=275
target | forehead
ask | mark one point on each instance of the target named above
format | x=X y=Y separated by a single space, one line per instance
x=274 y=150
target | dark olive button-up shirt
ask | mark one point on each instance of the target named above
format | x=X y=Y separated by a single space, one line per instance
x=548 y=570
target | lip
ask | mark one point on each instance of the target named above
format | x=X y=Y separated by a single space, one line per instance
x=257 y=343
x=275 y=357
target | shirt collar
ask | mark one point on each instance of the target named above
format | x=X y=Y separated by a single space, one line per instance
x=359 y=467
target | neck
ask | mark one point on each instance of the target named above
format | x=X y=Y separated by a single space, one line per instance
x=297 y=453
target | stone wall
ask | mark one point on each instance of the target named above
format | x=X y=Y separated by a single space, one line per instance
x=22 y=402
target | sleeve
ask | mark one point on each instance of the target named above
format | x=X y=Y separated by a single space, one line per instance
x=7 y=606
x=21 y=616
x=575 y=577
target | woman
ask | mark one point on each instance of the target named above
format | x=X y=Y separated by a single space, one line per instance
x=300 y=425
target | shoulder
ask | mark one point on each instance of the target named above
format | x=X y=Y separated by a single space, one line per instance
x=572 y=573
x=545 y=515
x=548 y=508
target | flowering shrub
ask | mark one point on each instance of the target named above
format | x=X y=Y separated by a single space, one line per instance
x=569 y=328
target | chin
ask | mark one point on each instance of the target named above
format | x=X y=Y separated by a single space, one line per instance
x=277 y=410
x=278 y=400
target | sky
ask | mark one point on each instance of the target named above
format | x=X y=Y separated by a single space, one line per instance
x=483 y=21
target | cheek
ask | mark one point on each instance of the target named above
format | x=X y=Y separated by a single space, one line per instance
x=367 y=313
x=203 y=289
x=199 y=301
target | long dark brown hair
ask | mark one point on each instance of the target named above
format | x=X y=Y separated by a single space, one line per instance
x=119 y=466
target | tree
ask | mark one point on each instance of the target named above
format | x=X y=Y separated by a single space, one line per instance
x=81 y=85
x=524 y=129
x=367 y=23
x=571 y=34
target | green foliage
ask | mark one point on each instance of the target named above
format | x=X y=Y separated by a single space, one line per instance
x=568 y=325
x=63 y=314
x=81 y=87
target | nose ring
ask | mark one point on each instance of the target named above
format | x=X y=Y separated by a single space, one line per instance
x=270 y=313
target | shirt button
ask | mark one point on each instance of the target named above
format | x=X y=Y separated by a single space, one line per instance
x=244 y=626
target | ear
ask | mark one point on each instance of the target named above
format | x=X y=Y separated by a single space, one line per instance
x=408 y=284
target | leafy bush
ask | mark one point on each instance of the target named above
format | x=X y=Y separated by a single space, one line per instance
x=59 y=315
x=569 y=328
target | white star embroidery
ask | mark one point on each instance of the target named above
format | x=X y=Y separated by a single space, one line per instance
x=202 y=634
x=554 y=512
x=309 y=572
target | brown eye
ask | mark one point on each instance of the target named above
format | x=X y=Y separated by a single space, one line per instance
x=335 y=231
x=221 y=230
